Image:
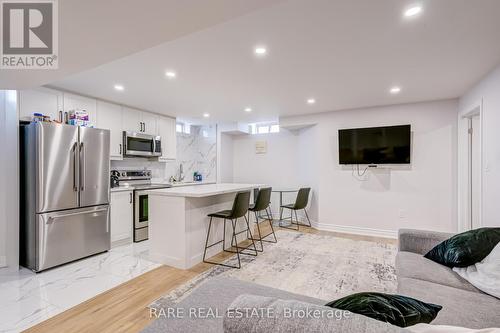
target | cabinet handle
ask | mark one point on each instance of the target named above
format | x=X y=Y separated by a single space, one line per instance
x=61 y=116
x=140 y=123
x=120 y=148
x=130 y=197
x=144 y=127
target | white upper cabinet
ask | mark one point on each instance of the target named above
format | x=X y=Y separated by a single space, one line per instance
x=139 y=121
x=47 y=101
x=149 y=123
x=166 y=130
x=109 y=116
x=73 y=102
x=132 y=120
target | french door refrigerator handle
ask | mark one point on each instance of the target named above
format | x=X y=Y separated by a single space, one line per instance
x=75 y=162
x=51 y=218
x=82 y=167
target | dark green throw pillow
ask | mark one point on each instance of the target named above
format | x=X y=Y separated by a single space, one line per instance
x=465 y=249
x=397 y=310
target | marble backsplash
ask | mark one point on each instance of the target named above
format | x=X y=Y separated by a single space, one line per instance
x=196 y=151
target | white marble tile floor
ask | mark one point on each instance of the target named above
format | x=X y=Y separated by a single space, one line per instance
x=27 y=298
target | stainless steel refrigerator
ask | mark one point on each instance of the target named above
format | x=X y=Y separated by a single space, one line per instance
x=64 y=194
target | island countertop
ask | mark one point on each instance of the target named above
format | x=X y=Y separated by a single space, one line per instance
x=200 y=191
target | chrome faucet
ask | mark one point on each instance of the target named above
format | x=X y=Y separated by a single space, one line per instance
x=181 y=173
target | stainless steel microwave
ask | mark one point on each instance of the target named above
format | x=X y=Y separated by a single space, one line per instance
x=140 y=144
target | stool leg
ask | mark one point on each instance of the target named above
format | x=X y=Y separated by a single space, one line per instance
x=206 y=242
x=297 y=219
x=260 y=235
x=305 y=211
x=224 y=236
x=251 y=237
x=248 y=236
x=281 y=215
x=271 y=224
x=234 y=238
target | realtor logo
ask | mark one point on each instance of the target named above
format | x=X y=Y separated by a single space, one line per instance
x=29 y=34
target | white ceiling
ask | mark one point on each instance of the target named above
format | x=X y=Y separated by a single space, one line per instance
x=344 y=53
x=94 y=32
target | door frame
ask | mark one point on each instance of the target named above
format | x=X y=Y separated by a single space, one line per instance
x=465 y=200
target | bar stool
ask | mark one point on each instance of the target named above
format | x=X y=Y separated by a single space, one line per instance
x=262 y=201
x=240 y=209
x=300 y=203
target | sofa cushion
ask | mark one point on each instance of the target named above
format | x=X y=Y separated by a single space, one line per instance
x=416 y=266
x=398 y=310
x=460 y=307
x=484 y=275
x=466 y=248
x=295 y=316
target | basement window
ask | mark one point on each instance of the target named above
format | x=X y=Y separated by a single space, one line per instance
x=183 y=128
x=264 y=128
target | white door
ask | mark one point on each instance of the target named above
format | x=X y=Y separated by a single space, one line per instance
x=475 y=171
x=49 y=102
x=149 y=121
x=132 y=120
x=122 y=213
x=74 y=102
x=166 y=130
x=109 y=116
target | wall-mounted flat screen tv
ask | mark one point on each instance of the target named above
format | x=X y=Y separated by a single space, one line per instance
x=375 y=145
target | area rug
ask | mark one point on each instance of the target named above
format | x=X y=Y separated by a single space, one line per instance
x=320 y=266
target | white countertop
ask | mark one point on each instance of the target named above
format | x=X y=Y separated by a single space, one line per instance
x=203 y=190
x=131 y=187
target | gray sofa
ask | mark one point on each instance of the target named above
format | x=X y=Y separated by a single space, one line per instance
x=463 y=305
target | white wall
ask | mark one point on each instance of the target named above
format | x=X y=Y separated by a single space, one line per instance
x=487 y=93
x=421 y=196
x=290 y=162
x=225 y=159
x=9 y=178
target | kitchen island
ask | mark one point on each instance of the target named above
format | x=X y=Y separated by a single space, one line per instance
x=178 y=221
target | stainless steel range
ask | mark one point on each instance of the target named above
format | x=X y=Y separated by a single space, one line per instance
x=140 y=181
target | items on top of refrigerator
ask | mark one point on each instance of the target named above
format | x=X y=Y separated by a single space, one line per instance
x=37 y=117
x=78 y=117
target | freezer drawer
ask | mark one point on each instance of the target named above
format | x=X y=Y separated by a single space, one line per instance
x=71 y=234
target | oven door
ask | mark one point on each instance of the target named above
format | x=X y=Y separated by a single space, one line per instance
x=141 y=217
x=141 y=210
x=138 y=144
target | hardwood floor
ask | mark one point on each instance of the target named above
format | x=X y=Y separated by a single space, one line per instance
x=124 y=308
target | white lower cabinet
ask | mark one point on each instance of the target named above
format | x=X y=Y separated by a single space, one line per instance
x=122 y=215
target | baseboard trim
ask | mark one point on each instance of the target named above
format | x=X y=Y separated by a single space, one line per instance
x=356 y=230
x=3 y=261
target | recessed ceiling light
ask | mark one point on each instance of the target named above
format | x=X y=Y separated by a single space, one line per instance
x=206 y=115
x=248 y=109
x=395 y=90
x=413 y=11
x=119 y=87
x=170 y=74
x=260 y=50
x=311 y=101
